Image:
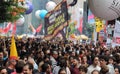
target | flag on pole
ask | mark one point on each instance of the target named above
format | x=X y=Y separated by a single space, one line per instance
x=81 y=25
x=6 y=29
x=39 y=28
x=13 y=50
x=14 y=29
x=91 y=17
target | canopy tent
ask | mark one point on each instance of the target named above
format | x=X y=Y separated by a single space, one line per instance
x=80 y=37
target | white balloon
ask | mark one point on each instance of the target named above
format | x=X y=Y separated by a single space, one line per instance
x=20 y=21
x=105 y=9
x=24 y=5
x=37 y=14
x=50 y=5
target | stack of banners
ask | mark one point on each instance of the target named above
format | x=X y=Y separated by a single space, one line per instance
x=56 y=21
x=116 y=36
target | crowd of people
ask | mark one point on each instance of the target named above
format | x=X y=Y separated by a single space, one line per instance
x=37 y=56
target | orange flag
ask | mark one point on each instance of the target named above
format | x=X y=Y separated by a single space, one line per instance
x=13 y=50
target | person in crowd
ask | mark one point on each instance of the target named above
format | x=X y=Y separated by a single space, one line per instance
x=94 y=66
x=53 y=58
x=11 y=66
x=84 y=61
x=117 y=70
x=107 y=52
x=82 y=70
x=75 y=68
x=40 y=67
x=111 y=62
x=46 y=69
x=3 y=70
x=28 y=68
x=104 y=67
x=104 y=70
x=62 y=63
x=32 y=61
x=3 y=59
x=62 y=71
x=39 y=56
x=19 y=67
x=95 y=72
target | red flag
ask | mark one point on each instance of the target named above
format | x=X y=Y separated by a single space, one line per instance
x=91 y=17
x=39 y=28
x=6 y=29
x=80 y=27
x=105 y=27
x=14 y=28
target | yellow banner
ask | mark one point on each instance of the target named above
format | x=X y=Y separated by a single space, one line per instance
x=99 y=24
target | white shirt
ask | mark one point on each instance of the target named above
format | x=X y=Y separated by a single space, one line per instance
x=91 y=68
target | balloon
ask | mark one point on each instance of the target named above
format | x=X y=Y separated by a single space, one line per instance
x=20 y=21
x=50 y=5
x=73 y=3
x=30 y=7
x=23 y=4
x=42 y=14
x=105 y=9
x=37 y=14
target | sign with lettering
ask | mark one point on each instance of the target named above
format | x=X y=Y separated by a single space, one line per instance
x=116 y=37
x=99 y=24
x=56 y=20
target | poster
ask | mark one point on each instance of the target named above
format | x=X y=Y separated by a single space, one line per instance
x=116 y=36
x=56 y=20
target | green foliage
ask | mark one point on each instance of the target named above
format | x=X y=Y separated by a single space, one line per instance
x=10 y=11
x=90 y=29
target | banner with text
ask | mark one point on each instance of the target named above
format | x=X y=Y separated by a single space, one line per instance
x=116 y=37
x=56 y=20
